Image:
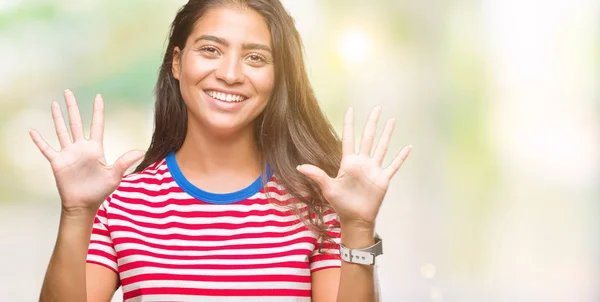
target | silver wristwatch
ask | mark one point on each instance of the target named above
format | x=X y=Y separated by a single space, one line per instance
x=362 y=256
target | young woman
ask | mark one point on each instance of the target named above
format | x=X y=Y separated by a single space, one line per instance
x=245 y=193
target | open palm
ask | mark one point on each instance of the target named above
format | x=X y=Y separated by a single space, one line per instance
x=82 y=176
x=357 y=192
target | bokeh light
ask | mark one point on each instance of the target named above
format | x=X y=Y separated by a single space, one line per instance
x=500 y=99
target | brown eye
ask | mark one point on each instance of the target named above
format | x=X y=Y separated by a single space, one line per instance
x=256 y=58
x=210 y=50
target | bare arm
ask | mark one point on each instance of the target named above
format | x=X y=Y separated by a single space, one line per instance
x=68 y=277
x=357 y=281
x=84 y=180
x=351 y=282
x=101 y=283
x=356 y=194
x=65 y=277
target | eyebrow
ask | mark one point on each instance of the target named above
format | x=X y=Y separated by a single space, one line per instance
x=222 y=41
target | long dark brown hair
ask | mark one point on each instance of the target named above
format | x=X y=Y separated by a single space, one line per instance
x=292 y=129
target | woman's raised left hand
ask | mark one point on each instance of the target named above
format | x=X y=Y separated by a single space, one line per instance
x=358 y=190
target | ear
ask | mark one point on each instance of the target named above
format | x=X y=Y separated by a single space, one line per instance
x=175 y=66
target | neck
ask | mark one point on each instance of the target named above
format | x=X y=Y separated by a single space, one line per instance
x=205 y=153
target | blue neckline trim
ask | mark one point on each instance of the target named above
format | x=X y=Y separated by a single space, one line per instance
x=217 y=198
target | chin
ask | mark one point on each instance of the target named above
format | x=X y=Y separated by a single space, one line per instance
x=224 y=128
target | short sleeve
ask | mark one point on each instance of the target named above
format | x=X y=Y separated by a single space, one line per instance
x=326 y=254
x=101 y=249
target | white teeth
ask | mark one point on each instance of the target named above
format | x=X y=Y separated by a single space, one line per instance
x=225 y=97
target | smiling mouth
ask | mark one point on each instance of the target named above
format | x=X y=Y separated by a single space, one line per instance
x=225 y=97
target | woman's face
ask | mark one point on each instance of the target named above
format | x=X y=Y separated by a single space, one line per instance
x=226 y=71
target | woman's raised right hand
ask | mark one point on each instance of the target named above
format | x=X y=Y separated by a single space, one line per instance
x=83 y=178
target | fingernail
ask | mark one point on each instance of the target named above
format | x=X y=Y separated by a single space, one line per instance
x=67 y=90
x=298 y=167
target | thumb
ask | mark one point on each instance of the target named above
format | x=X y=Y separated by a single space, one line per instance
x=126 y=160
x=315 y=173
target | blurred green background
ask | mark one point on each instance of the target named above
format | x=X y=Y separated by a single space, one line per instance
x=500 y=99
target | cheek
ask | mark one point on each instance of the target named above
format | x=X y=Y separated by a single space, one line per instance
x=194 y=69
x=264 y=82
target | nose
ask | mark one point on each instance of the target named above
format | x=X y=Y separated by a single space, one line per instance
x=230 y=70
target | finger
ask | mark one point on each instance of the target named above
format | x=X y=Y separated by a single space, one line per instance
x=97 y=127
x=384 y=141
x=369 y=132
x=59 y=125
x=316 y=174
x=125 y=161
x=348 y=133
x=48 y=152
x=74 y=116
x=397 y=162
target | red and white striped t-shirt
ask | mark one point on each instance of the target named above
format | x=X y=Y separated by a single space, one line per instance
x=170 y=241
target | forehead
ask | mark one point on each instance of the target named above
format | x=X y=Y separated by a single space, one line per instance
x=236 y=25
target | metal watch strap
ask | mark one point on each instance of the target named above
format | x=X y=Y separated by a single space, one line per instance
x=362 y=256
